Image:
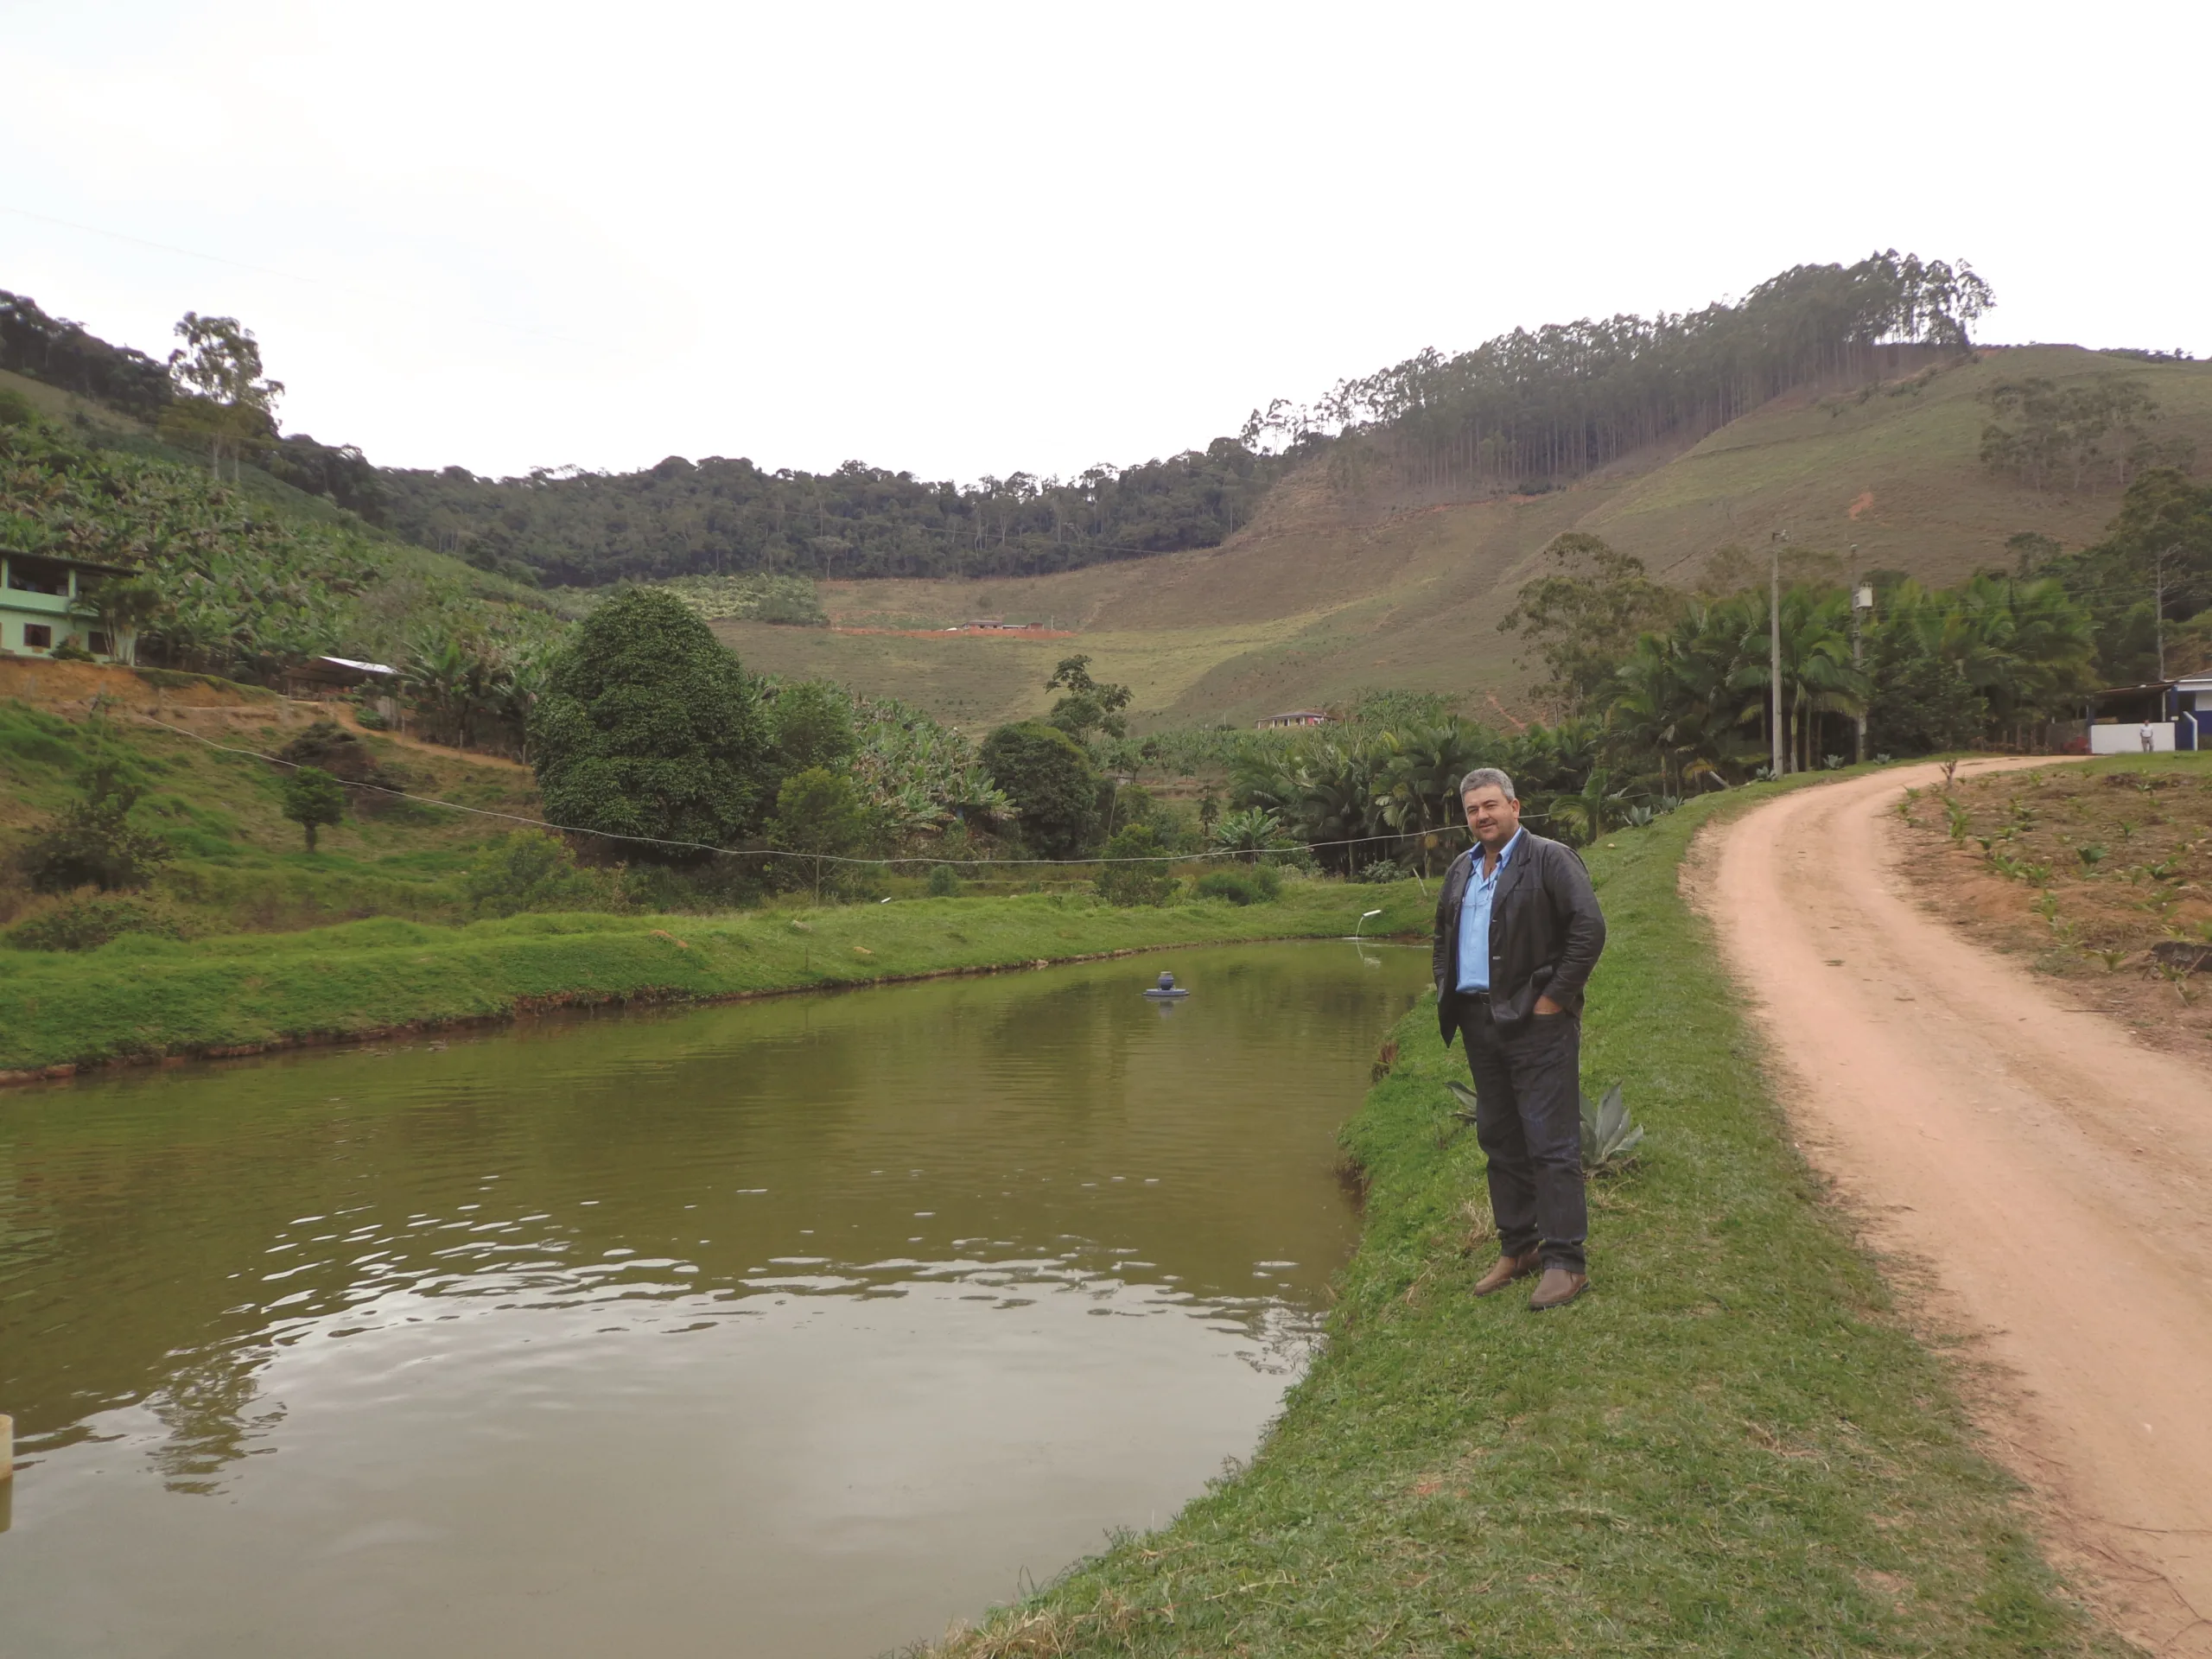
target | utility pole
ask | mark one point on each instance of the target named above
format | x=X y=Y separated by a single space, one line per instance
x=1862 y=605
x=2158 y=589
x=1774 y=649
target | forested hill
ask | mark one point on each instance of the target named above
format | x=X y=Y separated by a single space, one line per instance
x=566 y=527
x=680 y=518
x=1547 y=406
x=1527 y=410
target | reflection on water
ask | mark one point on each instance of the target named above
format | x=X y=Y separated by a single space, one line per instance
x=791 y=1327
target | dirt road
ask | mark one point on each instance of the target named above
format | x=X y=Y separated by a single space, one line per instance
x=2052 y=1175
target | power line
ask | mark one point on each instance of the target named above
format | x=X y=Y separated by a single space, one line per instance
x=763 y=852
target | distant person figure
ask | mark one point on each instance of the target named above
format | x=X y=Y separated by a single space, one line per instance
x=2146 y=737
x=1517 y=931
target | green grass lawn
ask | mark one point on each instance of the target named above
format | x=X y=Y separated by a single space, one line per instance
x=1732 y=1445
x=141 y=997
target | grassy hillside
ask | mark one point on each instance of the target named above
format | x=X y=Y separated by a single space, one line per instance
x=236 y=861
x=1327 y=591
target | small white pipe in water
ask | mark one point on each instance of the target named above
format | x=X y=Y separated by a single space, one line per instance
x=1365 y=917
x=7 y=1447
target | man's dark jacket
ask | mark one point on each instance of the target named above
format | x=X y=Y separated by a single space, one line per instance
x=1545 y=932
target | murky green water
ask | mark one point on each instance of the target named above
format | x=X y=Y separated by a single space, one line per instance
x=788 y=1328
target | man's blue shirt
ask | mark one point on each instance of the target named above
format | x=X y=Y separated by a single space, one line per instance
x=1474 y=917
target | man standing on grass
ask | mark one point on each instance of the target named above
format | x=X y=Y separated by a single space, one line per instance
x=1517 y=931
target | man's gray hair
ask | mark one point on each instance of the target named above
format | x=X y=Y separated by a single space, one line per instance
x=1487 y=778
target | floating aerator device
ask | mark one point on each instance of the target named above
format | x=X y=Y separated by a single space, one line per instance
x=1167 y=990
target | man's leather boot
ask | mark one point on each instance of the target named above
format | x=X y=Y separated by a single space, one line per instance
x=1557 y=1288
x=1506 y=1270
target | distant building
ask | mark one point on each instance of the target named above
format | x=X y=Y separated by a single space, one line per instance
x=2159 y=716
x=333 y=676
x=996 y=624
x=1296 y=717
x=46 y=601
x=325 y=678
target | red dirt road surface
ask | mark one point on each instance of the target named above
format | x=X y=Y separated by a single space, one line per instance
x=2051 y=1175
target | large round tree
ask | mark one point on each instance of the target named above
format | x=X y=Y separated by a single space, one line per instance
x=1052 y=783
x=649 y=726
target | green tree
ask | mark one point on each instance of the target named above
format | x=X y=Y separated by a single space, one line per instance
x=223 y=398
x=648 y=727
x=2030 y=550
x=312 y=799
x=1921 y=705
x=1051 y=783
x=125 y=605
x=1089 y=705
x=1136 y=882
x=530 y=870
x=1674 y=700
x=2024 y=650
x=1581 y=818
x=820 y=814
x=449 y=673
x=2048 y=434
x=1417 y=777
x=2152 y=565
x=92 y=843
x=1582 y=616
x=811 y=724
x=1319 y=791
x=1249 y=832
x=1818 y=675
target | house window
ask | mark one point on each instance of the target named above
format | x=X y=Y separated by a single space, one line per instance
x=37 y=637
x=36 y=577
x=99 y=644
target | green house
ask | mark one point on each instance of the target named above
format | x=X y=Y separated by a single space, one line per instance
x=46 y=601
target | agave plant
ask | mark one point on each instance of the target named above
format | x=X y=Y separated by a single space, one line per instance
x=1609 y=1139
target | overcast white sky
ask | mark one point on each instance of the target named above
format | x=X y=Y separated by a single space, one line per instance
x=965 y=240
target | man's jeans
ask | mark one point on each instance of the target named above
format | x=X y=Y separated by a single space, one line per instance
x=1528 y=1120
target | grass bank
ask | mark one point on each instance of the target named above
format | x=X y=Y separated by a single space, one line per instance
x=142 y=998
x=1733 y=1446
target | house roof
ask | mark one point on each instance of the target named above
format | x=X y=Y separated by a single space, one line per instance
x=71 y=563
x=2135 y=690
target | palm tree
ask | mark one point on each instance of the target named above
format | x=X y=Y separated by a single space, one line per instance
x=1818 y=675
x=1588 y=815
x=1417 y=776
x=2027 y=647
x=1251 y=832
x=1335 y=810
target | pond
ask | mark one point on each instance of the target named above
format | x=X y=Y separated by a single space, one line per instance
x=793 y=1327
